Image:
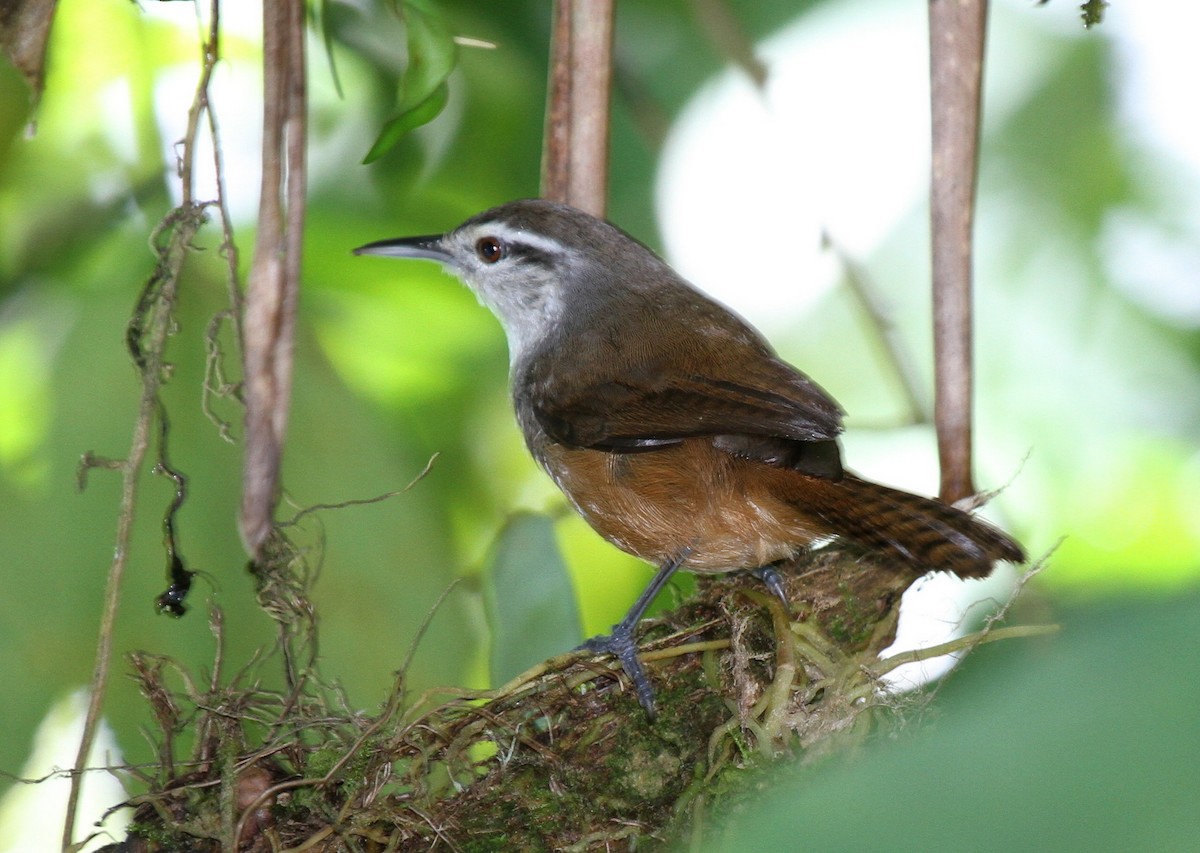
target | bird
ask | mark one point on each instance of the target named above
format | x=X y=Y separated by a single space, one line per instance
x=668 y=421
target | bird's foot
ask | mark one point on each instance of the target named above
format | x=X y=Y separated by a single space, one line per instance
x=622 y=645
x=771 y=577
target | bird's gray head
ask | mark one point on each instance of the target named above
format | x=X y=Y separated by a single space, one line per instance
x=534 y=262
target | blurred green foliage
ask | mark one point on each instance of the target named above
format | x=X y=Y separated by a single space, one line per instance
x=1083 y=741
x=396 y=363
x=530 y=603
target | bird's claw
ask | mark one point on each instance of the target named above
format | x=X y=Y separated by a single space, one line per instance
x=622 y=645
x=770 y=576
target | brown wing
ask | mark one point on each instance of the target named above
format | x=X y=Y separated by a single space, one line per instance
x=653 y=406
x=762 y=409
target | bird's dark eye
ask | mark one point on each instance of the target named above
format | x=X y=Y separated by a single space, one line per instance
x=489 y=249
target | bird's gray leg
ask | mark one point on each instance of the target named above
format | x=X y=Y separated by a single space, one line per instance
x=621 y=642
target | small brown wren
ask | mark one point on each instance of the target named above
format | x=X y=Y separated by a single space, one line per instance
x=668 y=421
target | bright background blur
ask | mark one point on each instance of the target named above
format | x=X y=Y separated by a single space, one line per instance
x=1088 y=306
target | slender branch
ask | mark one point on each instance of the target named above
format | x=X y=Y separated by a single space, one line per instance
x=214 y=380
x=956 y=44
x=859 y=282
x=960 y=645
x=130 y=472
x=575 y=152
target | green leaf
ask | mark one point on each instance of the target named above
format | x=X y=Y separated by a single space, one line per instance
x=423 y=93
x=406 y=122
x=431 y=54
x=1082 y=741
x=529 y=598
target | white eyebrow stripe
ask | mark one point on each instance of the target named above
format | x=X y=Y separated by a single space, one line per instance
x=519 y=235
x=540 y=242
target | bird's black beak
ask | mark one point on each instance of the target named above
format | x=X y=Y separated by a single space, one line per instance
x=429 y=248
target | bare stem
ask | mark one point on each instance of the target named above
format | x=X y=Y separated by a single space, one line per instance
x=270 y=312
x=956 y=43
x=575 y=151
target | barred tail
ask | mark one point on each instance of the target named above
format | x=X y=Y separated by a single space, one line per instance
x=921 y=532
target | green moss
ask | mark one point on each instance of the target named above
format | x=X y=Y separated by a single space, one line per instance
x=851 y=623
